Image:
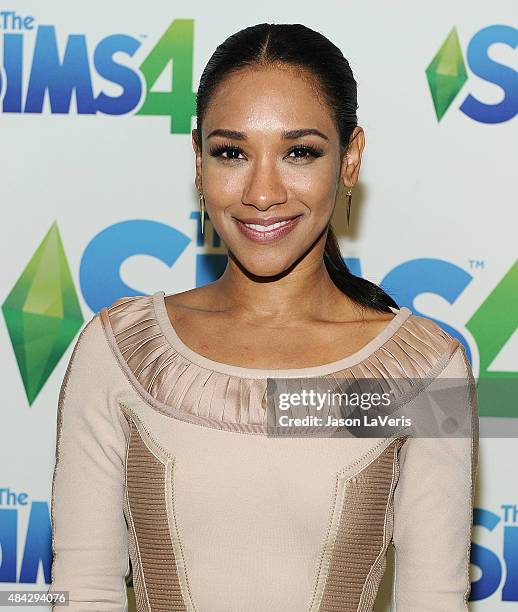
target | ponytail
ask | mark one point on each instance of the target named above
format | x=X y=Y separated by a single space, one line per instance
x=359 y=289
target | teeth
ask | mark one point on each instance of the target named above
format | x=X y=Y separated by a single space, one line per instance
x=267 y=228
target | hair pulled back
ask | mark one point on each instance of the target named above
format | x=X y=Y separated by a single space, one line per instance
x=296 y=45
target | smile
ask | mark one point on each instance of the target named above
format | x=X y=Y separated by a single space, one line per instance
x=259 y=232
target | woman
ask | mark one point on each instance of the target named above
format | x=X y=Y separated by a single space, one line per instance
x=162 y=457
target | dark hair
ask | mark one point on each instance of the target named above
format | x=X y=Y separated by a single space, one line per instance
x=267 y=44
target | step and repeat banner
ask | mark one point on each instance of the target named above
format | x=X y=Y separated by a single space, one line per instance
x=98 y=202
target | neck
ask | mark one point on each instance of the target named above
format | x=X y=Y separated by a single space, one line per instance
x=304 y=291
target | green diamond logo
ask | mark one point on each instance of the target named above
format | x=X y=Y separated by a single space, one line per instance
x=446 y=73
x=42 y=313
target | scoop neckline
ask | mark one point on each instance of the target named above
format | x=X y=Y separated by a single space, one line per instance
x=170 y=334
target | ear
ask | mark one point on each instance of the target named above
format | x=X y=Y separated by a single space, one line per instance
x=352 y=157
x=196 y=145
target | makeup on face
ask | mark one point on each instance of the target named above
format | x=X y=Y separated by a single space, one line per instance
x=267 y=230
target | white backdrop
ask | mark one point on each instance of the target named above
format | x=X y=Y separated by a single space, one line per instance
x=434 y=216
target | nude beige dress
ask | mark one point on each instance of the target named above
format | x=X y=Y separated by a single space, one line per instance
x=162 y=458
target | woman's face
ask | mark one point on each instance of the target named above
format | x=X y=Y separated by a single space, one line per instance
x=270 y=152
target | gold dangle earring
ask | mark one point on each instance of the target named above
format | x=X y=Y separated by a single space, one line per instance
x=202 y=210
x=349 y=198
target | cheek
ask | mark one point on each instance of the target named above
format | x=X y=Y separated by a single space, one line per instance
x=312 y=184
x=222 y=184
x=315 y=186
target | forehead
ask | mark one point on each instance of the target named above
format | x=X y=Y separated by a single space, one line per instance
x=268 y=100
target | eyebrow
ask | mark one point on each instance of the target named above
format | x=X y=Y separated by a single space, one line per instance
x=287 y=134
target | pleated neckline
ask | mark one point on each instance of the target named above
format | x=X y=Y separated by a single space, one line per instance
x=168 y=331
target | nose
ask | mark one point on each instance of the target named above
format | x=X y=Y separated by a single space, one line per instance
x=264 y=186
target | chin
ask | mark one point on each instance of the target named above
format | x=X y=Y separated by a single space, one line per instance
x=264 y=268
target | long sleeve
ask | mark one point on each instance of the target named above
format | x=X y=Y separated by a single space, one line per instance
x=433 y=509
x=89 y=531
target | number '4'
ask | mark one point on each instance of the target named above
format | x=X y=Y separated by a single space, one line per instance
x=176 y=45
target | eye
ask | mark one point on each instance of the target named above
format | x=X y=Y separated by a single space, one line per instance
x=305 y=152
x=232 y=151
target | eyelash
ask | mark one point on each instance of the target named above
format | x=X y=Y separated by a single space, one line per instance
x=217 y=151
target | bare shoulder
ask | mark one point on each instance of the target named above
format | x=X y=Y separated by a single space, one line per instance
x=198 y=298
x=193 y=310
x=375 y=319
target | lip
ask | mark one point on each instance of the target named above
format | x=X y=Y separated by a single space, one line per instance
x=269 y=235
x=266 y=222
